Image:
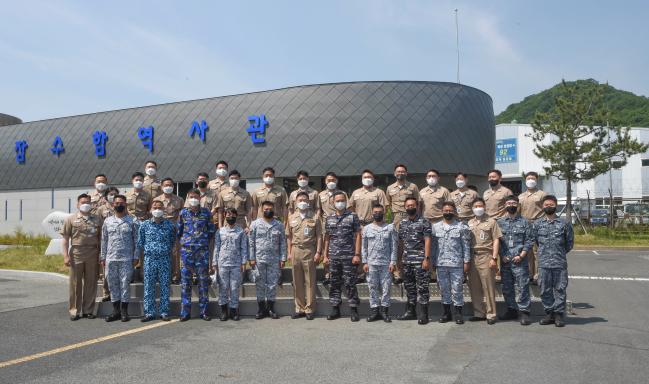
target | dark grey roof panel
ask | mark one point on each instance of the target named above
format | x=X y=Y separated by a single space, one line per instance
x=344 y=127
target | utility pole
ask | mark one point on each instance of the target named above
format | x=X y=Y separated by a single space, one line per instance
x=457 y=45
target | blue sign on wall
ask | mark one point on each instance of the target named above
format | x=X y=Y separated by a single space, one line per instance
x=506 y=151
x=57 y=146
x=99 y=140
x=257 y=128
x=145 y=134
x=198 y=129
x=21 y=147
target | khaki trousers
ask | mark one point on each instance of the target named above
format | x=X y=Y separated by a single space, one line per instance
x=304 y=279
x=482 y=285
x=534 y=266
x=175 y=261
x=83 y=284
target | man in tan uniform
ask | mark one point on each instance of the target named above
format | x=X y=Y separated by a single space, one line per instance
x=463 y=197
x=432 y=198
x=303 y=184
x=304 y=240
x=172 y=205
x=97 y=197
x=530 y=206
x=327 y=208
x=496 y=195
x=270 y=192
x=208 y=197
x=220 y=182
x=482 y=279
x=396 y=198
x=235 y=197
x=152 y=184
x=364 y=198
x=81 y=232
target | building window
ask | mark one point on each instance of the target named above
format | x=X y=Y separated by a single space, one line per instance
x=645 y=162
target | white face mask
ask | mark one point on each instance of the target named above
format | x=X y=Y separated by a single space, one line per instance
x=303 y=183
x=340 y=205
x=100 y=187
x=85 y=208
x=167 y=189
x=234 y=183
x=302 y=205
x=138 y=184
x=157 y=213
x=478 y=211
x=269 y=180
x=110 y=198
x=460 y=183
x=193 y=202
x=432 y=181
x=332 y=185
x=150 y=171
x=222 y=172
x=530 y=183
x=368 y=181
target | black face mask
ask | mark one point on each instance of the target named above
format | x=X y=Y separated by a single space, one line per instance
x=550 y=210
x=231 y=220
x=448 y=215
x=511 y=209
x=269 y=214
x=378 y=217
x=202 y=184
x=120 y=208
x=493 y=183
x=400 y=177
x=411 y=211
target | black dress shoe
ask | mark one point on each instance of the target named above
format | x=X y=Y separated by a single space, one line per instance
x=75 y=317
x=165 y=318
x=206 y=317
x=309 y=316
x=184 y=318
x=147 y=318
x=105 y=299
x=297 y=315
x=491 y=321
x=476 y=318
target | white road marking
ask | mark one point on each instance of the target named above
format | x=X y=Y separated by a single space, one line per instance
x=609 y=278
x=595 y=252
x=34 y=273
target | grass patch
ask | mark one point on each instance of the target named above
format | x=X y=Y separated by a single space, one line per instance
x=631 y=236
x=21 y=238
x=31 y=258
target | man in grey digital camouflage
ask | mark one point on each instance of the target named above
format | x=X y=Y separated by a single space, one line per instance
x=268 y=254
x=515 y=246
x=555 y=238
x=379 y=254
x=451 y=256
x=342 y=251
x=414 y=236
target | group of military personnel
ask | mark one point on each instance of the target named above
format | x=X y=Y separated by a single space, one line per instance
x=434 y=235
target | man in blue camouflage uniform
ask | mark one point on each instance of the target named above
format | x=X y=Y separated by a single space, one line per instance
x=195 y=231
x=379 y=254
x=156 y=239
x=268 y=254
x=342 y=251
x=515 y=244
x=451 y=257
x=555 y=238
x=230 y=257
x=414 y=235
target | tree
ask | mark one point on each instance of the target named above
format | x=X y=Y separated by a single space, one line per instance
x=585 y=140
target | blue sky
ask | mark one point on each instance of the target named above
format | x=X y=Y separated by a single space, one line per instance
x=61 y=58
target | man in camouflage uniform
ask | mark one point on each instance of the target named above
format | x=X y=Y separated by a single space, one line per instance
x=138 y=203
x=342 y=252
x=414 y=235
x=195 y=231
x=555 y=238
x=515 y=246
x=327 y=208
x=268 y=254
x=379 y=254
x=172 y=205
x=451 y=256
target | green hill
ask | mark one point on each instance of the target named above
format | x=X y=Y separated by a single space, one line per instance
x=630 y=109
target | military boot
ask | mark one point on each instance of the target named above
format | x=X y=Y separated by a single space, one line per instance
x=511 y=314
x=558 y=320
x=353 y=314
x=385 y=314
x=422 y=314
x=125 y=312
x=234 y=314
x=525 y=318
x=446 y=316
x=374 y=314
x=116 y=315
x=335 y=313
x=224 y=312
x=261 y=310
x=548 y=319
x=271 y=310
x=409 y=314
x=457 y=316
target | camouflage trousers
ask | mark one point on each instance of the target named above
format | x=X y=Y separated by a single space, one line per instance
x=450 y=280
x=554 y=282
x=379 y=282
x=118 y=276
x=195 y=261
x=343 y=271
x=157 y=269
x=515 y=279
x=267 y=281
x=416 y=281
x=229 y=284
